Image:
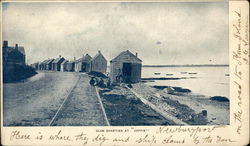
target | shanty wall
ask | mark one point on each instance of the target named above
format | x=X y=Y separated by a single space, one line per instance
x=57 y=66
x=70 y=66
x=78 y=66
x=117 y=64
x=49 y=66
x=86 y=65
x=64 y=67
x=99 y=64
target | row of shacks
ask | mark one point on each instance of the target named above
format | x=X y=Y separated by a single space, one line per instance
x=126 y=67
x=84 y=64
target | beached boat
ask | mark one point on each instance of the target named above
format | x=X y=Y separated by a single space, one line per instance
x=157 y=73
x=183 y=72
x=192 y=73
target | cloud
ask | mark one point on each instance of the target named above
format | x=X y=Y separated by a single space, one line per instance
x=190 y=33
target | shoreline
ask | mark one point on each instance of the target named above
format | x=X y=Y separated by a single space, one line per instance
x=187 y=107
x=136 y=104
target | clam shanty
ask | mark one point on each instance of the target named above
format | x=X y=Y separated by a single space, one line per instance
x=56 y=64
x=126 y=67
x=48 y=64
x=70 y=66
x=64 y=65
x=98 y=63
x=42 y=65
x=83 y=64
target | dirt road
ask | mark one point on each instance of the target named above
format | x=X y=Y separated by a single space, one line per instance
x=82 y=107
x=35 y=102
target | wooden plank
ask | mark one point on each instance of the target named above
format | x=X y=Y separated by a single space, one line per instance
x=103 y=110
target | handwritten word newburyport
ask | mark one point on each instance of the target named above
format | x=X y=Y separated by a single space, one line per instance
x=192 y=130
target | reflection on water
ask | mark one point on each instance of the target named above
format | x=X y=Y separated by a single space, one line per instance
x=210 y=81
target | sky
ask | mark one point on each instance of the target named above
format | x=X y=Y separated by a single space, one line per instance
x=162 y=33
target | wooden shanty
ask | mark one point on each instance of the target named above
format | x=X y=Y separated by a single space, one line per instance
x=42 y=65
x=56 y=64
x=70 y=66
x=48 y=64
x=126 y=67
x=98 y=63
x=64 y=65
x=83 y=64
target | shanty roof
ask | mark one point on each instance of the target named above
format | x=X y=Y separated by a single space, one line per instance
x=58 y=59
x=99 y=54
x=126 y=53
x=44 y=61
x=65 y=61
x=79 y=60
x=20 y=49
x=49 y=61
x=85 y=58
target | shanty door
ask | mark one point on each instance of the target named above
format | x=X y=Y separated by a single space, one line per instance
x=126 y=72
x=84 y=67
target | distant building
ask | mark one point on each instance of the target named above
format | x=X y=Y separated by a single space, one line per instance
x=48 y=64
x=83 y=64
x=98 y=63
x=126 y=67
x=42 y=65
x=56 y=64
x=64 y=66
x=14 y=67
x=13 y=55
x=70 y=66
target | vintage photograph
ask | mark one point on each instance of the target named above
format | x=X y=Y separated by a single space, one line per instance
x=115 y=63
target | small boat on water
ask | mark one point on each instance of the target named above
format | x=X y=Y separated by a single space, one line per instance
x=183 y=72
x=169 y=74
x=157 y=73
x=192 y=73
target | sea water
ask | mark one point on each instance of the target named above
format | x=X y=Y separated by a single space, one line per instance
x=209 y=81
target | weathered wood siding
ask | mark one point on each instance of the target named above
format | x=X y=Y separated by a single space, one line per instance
x=116 y=66
x=64 y=66
x=70 y=66
x=99 y=64
x=78 y=66
x=136 y=72
x=57 y=66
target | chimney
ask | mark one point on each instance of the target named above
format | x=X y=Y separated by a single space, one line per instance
x=74 y=58
x=136 y=54
x=5 y=44
x=99 y=51
x=16 y=47
x=60 y=56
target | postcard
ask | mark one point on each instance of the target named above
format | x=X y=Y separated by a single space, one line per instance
x=125 y=73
